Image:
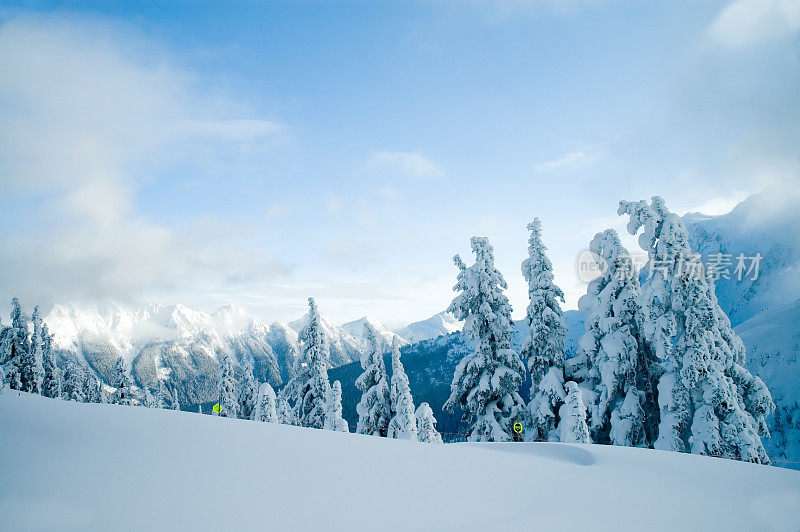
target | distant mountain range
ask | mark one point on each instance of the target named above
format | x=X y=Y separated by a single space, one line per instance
x=181 y=345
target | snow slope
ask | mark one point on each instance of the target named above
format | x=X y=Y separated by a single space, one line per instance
x=772 y=338
x=108 y=467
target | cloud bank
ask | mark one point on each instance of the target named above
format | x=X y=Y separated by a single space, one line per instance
x=92 y=113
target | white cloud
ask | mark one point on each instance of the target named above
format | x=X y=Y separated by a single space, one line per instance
x=585 y=156
x=747 y=22
x=570 y=160
x=90 y=113
x=407 y=163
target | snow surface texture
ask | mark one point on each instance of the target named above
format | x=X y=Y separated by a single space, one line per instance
x=99 y=467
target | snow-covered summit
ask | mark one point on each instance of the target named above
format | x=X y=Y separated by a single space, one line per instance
x=344 y=348
x=433 y=327
x=160 y=342
x=385 y=336
x=765 y=225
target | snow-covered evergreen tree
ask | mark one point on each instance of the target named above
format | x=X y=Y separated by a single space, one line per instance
x=149 y=400
x=31 y=371
x=51 y=381
x=333 y=416
x=403 y=424
x=572 y=416
x=124 y=394
x=374 y=408
x=426 y=425
x=543 y=349
x=285 y=412
x=265 y=409
x=15 y=349
x=248 y=391
x=161 y=395
x=308 y=390
x=710 y=404
x=228 y=396
x=176 y=404
x=621 y=370
x=92 y=389
x=486 y=382
x=73 y=383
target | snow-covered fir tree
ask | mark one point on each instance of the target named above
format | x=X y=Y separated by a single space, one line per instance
x=285 y=412
x=31 y=371
x=15 y=347
x=308 y=390
x=543 y=349
x=333 y=416
x=149 y=401
x=709 y=403
x=375 y=408
x=572 y=416
x=486 y=382
x=123 y=395
x=265 y=409
x=403 y=424
x=426 y=425
x=248 y=390
x=161 y=395
x=176 y=404
x=92 y=389
x=73 y=385
x=621 y=369
x=51 y=380
x=228 y=393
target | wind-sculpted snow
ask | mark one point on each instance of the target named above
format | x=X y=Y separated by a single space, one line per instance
x=95 y=467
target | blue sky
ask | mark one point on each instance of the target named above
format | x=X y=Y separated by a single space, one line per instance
x=259 y=153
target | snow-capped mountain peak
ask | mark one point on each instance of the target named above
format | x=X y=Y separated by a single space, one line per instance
x=385 y=336
x=435 y=326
